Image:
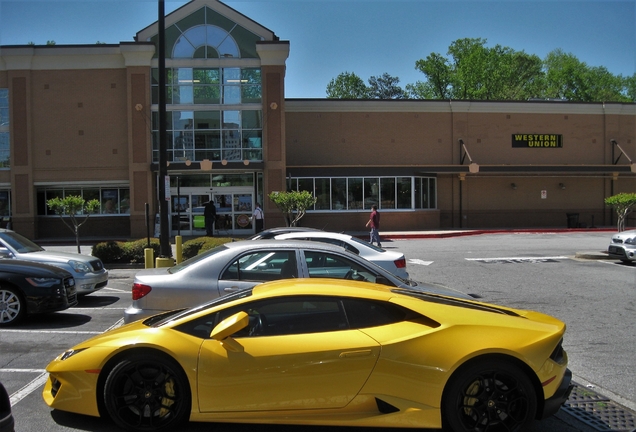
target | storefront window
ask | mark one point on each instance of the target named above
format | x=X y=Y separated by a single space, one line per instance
x=355 y=193
x=5 y=152
x=113 y=201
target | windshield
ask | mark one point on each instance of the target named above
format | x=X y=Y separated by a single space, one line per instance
x=167 y=317
x=196 y=259
x=18 y=243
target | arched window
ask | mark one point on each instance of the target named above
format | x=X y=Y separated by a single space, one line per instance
x=205 y=41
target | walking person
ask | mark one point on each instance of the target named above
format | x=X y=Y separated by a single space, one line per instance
x=209 y=213
x=258 y=218
x=374 y=223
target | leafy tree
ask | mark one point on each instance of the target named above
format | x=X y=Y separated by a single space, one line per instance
x=477 y=72
x=76 y=209
x=50 y=42
x=385 y=86
x=630 y=87
x=569 y=78
x=623 y=203
x=293 y=204
x=347 y=86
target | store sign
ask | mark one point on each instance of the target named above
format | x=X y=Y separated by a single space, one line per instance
x=537 y=140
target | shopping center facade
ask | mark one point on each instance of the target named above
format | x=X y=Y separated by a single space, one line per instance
x=82 y=120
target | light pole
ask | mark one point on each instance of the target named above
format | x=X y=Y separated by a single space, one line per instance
x=164 y=227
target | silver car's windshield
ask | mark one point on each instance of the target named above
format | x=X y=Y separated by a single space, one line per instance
x=195 y=259
x=19 y=243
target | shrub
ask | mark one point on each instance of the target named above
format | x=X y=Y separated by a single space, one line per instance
x=108 y=252
x=195 y=246
x=125 y=252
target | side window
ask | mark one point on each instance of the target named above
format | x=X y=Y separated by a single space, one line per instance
x=290 y=315
x=326 y=265
x=369 y=313
x=263 y=266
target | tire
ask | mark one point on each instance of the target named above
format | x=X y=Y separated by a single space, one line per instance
x=12 y=306
x=488 y=396
x=147 y=392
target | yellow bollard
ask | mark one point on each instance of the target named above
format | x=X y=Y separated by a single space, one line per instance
x=164 y=262
x=179 y=248
x=149 y=257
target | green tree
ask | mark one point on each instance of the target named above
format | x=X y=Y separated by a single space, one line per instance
x=347 y=86
x=477 y=72
x=293 y=204
x=385 y=86
x=50 y=42
x=571 y=79
x=630 y=87
x=76 y=209
x=623 y=203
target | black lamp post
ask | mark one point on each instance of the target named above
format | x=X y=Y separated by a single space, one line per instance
x=164 y=238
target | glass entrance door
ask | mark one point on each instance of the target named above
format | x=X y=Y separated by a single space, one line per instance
x=234 y=206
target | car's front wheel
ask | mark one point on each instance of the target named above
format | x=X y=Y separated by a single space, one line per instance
x=12 y=306
x=147 y=392
x=488 y=396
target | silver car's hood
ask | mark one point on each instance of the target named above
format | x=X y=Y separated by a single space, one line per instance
x=55 y=257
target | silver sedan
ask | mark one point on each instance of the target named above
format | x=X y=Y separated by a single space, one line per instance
x=88 y=271
x=240 y=265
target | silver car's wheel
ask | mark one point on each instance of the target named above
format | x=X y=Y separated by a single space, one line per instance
x=12 y=307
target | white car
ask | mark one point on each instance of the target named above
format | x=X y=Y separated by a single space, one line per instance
x=623 y=246
x=394 y=262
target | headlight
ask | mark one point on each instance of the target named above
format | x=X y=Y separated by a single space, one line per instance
x=631 y=241
x=70 y=353
x=80 y=267
x=43 y=282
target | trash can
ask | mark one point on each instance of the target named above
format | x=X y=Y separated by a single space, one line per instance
x=573 y=220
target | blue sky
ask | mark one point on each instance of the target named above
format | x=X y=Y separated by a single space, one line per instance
x=367 y=37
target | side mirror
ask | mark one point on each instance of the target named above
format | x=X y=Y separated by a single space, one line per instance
x=5 y=253
x=228 y=327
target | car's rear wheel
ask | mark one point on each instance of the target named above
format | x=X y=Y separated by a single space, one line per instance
x=488 y=396
x=12 y=306
x=147 y=392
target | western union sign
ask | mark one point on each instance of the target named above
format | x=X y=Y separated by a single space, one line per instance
x=537 y=140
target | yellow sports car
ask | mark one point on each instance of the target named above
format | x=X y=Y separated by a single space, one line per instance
x=321 y=352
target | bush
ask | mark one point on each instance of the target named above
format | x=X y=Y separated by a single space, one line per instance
x=125 y=252
x=195 y=246
x=112 y=252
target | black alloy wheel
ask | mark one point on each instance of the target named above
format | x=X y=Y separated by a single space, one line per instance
x=489 y=396
x=147 y=392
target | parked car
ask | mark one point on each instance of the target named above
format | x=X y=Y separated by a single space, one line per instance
x=270 y=233
x=623 y=246
x=6 y=417
x=88 y=271
x=395 y=262
x=321 y=352
x=240 y=265
x=28 y=288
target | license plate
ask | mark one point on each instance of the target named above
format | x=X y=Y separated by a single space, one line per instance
x=615 y=250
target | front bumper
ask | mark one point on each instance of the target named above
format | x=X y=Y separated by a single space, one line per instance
x=553 y=404
x=622 y=253
x=91 y=282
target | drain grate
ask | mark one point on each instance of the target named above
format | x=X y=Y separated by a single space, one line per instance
x=598 y=411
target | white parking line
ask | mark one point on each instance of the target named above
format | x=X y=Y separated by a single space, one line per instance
x=29 y=388
x=517 y=258
x=419 y=262
x=51 y=332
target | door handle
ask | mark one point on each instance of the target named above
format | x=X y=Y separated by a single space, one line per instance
x=359 y=353
x=231 y=289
